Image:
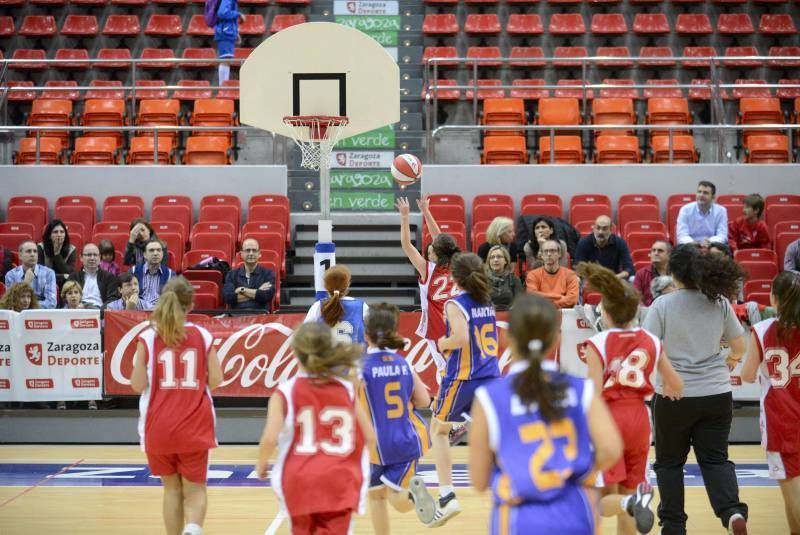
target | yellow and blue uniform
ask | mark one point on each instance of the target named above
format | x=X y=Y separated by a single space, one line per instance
x=467 y=368
x=402 y=438
x=537 y=484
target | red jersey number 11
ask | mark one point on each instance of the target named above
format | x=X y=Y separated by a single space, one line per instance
x=168 y=363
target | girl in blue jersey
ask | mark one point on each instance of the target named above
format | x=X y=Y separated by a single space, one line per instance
x=537 y=433
x=390 y=394
x=344 y=314
x=469 y=349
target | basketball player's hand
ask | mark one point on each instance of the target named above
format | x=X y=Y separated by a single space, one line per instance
x=423 y=205
x=261 y=470
x=402 y=206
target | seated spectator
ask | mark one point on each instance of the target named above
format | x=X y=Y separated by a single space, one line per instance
x=552 y=281
x=72 y=295
x=659 y=256
x=41 y=278
x=703 y=221
x=505 y=284
x=500 y=232
x=606 y=249
x=108 y=257
x=56 y=252
x=99 y=286
x=19 y=297
x=151 y=274
x=791 y=259
x=140 y=235
x=748 y=231
x=662 y=285
x=250 y=286
x=128 y=294
x=542 y=230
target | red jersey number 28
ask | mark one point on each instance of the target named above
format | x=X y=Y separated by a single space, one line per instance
x=168 y=364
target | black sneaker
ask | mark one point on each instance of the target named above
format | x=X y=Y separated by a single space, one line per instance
x=446 y=509
x=639 y=508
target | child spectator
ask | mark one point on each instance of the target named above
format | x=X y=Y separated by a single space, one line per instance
x=108 y=257
x=72 y=295
x=748 y=231
x=226 y=34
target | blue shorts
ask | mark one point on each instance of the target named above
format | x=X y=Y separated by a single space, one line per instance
x=568 y=515
x=395 y=476
x=225 y=49
x=454 y=399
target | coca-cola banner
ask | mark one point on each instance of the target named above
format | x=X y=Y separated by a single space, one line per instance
x=256 y=355
x=52 y=355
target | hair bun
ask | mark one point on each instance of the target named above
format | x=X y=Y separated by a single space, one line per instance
x=535 y=345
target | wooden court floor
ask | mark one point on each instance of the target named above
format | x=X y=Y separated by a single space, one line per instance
x=40 y=508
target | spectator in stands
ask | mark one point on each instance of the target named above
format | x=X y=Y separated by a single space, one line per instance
x=250 y=286
x=505 y=284
x=108 y=257
x=72 y=295
x=542 y=230
x=226 y=34
x=606 y=249
x=56 y=252
x=19 y=297
x=703 y=221
x=151 y=274
x=791 y=259
x=141 y=234
x=552 y=281
x=129 y=294
x=500 y=232
x=662 y=285
x=99 y=286
x=748 y=231
x=41 y=278
x=659 y=256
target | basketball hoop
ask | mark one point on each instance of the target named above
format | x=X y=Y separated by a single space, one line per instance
x=316 y=135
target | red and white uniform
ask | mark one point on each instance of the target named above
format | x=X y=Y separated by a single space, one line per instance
x=629 y=358
x=176 y=412
x=322 y=464
x=780 y=397
x=434 y=291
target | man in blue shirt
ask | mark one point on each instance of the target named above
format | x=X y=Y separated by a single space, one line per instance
x=703 y=221
x=151 y=275
x=250 y=286
x=606 y=249
x=41 y=278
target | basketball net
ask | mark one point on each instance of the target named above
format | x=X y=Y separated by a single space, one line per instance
x=316 y=135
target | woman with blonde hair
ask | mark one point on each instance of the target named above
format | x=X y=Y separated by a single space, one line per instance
x=500 y=232
x=19 y=297
x=174 y=369
x=505 y=285
x=342 y=313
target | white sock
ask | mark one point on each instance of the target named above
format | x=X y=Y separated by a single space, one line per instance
x=444 y=490
x=224 y=72
x=192 y=529
x=625 y=500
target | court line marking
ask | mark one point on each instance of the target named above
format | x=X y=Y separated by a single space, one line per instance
x=38 y=483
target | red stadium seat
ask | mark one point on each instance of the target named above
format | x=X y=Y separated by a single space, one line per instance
x=591 y=198
x=438 y=90
x=253 y=26
x=486 y=89
x=563 y=55
x=221 y=212
x=693 y=24
x=6 y=26
x=17 y=228
x=281 y=22
x=778 y=213
x=638 y=212
x=225 y=227
x=566 y=24
x=192 y=94
x=121 y=54
x=440 y=24
x=487 y=212
x=741 y=51
x=38 y=26
x=79 y=213
x=17 y=93
x=32 y=54
x=103 y=93
x=788 y=52
x=759 y=270
x=617 y=149
x=155 y=54
x=77 y=57
x=95 y=151
x=214 y=240
x=651 y=24
x=757 y=287
x=494 y=198
x=199 y=54
x=656 y=52
x=643 y=240
x=553 y=210
x=122 y=26
x=755 y=255
x=645 y=226
x=619 y=90
x=777 y=24
x=37 y=215
x=105 y=112
x=613 y=111
x=526 y=89
x=526 y=57
x=195 y=256
x=587 y=212
x=198 y=28
x=542 y=199
x=448 y=212
x=567 y=150
x=503 y=112
x=142 y=148
x=524 y=24
x=61 y=89
x=734 y=24
x=117 y=212
x=80 y=26
x=440 y=52
x=767 y=149
x=12 y=240
x=50 y=151
x=51 y=112
x=683 y=149
x=160 y=25
x=609 y=24
x=698 y=52
x=616 y=52
x=663 y=88
x=276 y=214
x=482 y=24
x=504 y=150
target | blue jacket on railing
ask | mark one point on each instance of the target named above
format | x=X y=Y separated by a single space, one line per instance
x=227 y=28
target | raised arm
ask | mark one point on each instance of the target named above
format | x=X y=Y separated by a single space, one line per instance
x=413 y=255
x=424 y=206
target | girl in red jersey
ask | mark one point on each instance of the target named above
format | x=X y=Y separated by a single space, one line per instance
x=174 y=369
x=436 y=285
x=775 y=355
x=622 y=362
x=321 y=471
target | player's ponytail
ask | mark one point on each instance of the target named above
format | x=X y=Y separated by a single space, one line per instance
x=714 y=276
x=381 y=326
x=620 y=299
x=445 y=248
x=169 y=316
x=533 y=327
x=786 y=290
x=337 y=283
x=468 y=271
x=317 y=350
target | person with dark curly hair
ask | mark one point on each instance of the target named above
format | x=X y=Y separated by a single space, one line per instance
x=56 y=252
x=542 y=229
x=691 y=321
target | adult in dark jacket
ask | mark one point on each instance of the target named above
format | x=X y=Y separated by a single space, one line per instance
x=141 y=232
x=542 y=230
x=606 y=249
x=250 y=286
x=505 y=285
x=56 y=252
x=99 y=286
x=499 y=232
x=563 y=232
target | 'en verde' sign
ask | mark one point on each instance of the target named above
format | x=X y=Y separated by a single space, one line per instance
x=380 y=138
x=362 y=201
x=384 y=38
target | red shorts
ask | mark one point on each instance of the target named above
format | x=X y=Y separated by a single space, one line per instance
x=633 y=421
x=329 y=523
x=192 y=465
x=783 y=465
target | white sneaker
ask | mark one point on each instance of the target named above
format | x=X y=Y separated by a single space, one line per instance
x=424 y=504
x=92 y=405
x=446 y=509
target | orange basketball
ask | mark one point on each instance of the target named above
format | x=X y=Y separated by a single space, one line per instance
x=406 y=169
